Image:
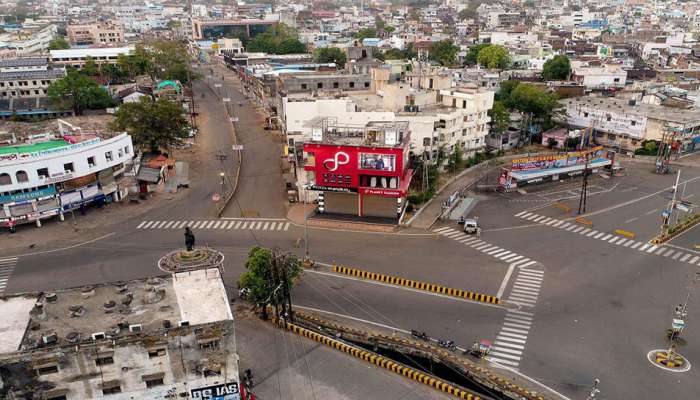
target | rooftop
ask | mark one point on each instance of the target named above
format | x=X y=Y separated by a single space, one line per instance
x=663 y=113
x=47 y=74
x=31 y=148
x=92 y=52
x=24 y=62
x=113 y=310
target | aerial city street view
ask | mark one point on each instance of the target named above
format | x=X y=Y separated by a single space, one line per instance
x=349 y=199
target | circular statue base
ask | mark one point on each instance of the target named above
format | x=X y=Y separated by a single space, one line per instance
x=183 y=260
x=668 y=360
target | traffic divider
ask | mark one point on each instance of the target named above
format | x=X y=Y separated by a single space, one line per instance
x=627 y=234
x=584 y=221
x=382 y=362
x=428 y=287
x=562 y=207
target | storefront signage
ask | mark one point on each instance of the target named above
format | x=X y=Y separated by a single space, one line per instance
x=9 y=157
x=225 y=391
x=381 y=192
x=59 y=177
x=338 y=159
x=377 y=162
x=26 y=196
x=333 y=189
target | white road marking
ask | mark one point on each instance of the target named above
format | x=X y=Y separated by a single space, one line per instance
x=141 y=225
x=443 y=229
x=685 y=257
x=502 y=361
x=503 y=355
x=636 y=244
x=696 y=258
x=148 y=223
x=566 y=225
x=522 y=214
x=678 y=254
x=514 y=335
x=614 y=240
x=606 y=237
x=598 y=236
x=245 y=225
x=265 y=226
x=506 y=344
x=216 y=224
x=579 y=229
x=506 y=350
x=591 y=233
x=646 y=246
x=512 y=258
x=501 y=289
x=557 y=224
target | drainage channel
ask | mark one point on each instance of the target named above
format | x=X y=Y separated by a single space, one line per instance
x=436 y=368
x=451 y=367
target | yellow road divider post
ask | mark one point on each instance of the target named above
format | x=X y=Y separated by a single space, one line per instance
x=627 y=234
x=428 y=287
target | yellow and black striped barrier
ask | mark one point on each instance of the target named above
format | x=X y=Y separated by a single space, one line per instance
x=383 y=362
x=429 y=287
x=625 y=233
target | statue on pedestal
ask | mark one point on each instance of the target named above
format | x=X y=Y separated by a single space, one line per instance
x=189 y=239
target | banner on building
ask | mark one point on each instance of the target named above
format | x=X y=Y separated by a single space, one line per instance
x=552 y=161
x=224 y=391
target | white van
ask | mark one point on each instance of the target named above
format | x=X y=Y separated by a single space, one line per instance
x=470 y=226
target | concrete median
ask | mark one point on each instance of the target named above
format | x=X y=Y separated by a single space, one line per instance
x=428 y=287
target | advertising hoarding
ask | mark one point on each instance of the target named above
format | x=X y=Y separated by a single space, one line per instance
x=553 y=161
x=377 y=162
x=224 y=391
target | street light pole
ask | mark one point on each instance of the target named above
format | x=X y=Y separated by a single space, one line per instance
x=306 y=224
x=222 y=174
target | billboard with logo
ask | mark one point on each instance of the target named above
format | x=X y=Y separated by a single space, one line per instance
x=224 y=391
x=553 y=161
x=338 y=168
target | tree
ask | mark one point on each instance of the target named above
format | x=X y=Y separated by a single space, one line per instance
x=444 y=52
x=152 y=124
x=366 y=33
x=280 y=40
x=456 y=158
x=59 y=43
x=291 y=46
x=500 y=116
x=557 y=68
x=330 y=55
x=389 y=29
x=534 y=100
x=112 y=73
x=473 y=52
x=493 y=56
x=259 y=279
x=505 y=90
x=90 y=67
x=78 y=92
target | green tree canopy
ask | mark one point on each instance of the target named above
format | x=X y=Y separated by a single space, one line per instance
x=59 y=43
x=330 y=55
x=90 y=68
x=152 y=124
x=500 y=116
x=405 y=54
x=366 y=33
x=529 y=98
x=444 y=52
x=473 y=52
x=258 y=279
x=279 y=40
x=493 y=56
x=504 y=91
x=558 y=68
x=78 y=92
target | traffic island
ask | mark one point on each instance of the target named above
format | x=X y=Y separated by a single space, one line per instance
x=673 y=231
x=668 y=360
x=198 y=258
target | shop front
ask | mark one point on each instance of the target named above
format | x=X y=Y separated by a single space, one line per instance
x=30 y=206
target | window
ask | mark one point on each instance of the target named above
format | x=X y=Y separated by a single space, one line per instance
x=352 y=84
x=585 y=114
x=303 y=86
x=68 y=167
x=120 y=153
x=43 y=172
x=335 y=85
x=108 y=156
x=156 y=353
x=608 y=118
x=633 y=123
x=126 y=150
x=464 y=104
x=616 y=80
x=426 y=141
x=22 y=176
x=91 y=161
x=51 y=369
x=366 y=84
x=154 y=382
x=107 y=360
x=464 y=132
x=59 y=397
x=112 y=390
x=5 y=179
x=319 y=85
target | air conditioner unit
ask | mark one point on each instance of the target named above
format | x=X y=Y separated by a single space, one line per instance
x=98 y=336
x=183 y=323
x=135 y=328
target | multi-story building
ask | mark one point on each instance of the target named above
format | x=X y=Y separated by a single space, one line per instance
x=605 y=77
x=27 y=77
x=216 y=28
x=29 y=41
x=164 y=337
x=76 y=57
x=360 y=170
x=45 y=175
x=95 y=34
x=624 y=124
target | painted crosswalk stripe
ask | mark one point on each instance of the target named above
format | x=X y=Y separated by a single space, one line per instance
x=493 y=252
x=577 y=230
x=552 y=222
x=599 y=235
x=678 y=254
x=566 y=225
x=216 y=224
x=453 y=234
x=652 y=248
x=517 y=322
x=606 y=237
x=527 y=271
x=506 y=350
x=141 y=225
x=504 y=355
x=467 y=240
x=157 y=224
x=507 y=344
x=660 y=251
x=443 y=229
x=696 y=258
x=685 y=257
x=510 y=339
x=557 y=224
x=518 y=297
x=505 y=255
x=546 y=221
x=502 y=361
x=522 y=214
x=525 y=285
x=513 y=335
x=227 y=225
x=584 y=231
x=286 y=226
x=614 y=240
x=628 y=242
x=646 y=246
x=533 y=281
x=525 y=293
x=245 y=225
x=147 y=224
x=535 y=218
x=265 y=226
x=636 y=244
x=515 y=330
x=499 y=254
x=487 y=248
x=512 y=257
x=572 y=227
x=482 y=246
x=169 y=224
x=592 y=232
x=180 y=225
x=237 y=224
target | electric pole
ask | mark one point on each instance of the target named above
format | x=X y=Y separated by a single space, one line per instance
x=584 y=189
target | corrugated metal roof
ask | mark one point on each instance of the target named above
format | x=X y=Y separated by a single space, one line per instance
x=48 y=74
x=24 y=62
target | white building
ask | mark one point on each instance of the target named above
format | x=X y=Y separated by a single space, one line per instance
x=27 y=77
x=605 y=77
x=46 y=175
x=77 y=57
x=29 y=42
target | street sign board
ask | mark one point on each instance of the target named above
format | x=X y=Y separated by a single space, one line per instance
x=226 y=99
x=682 y=207
x=237 y=147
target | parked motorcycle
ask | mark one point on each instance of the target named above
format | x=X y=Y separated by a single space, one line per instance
x=447 y=344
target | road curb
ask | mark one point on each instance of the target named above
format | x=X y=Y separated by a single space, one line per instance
x=382 y=362
x=428 y=287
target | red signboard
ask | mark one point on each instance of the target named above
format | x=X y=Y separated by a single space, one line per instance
x=341 y=166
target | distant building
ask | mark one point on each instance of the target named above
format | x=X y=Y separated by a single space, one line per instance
x=218 y=28
x=93 y=34
x=27 y=77
x=76 y=57
x=605 y=77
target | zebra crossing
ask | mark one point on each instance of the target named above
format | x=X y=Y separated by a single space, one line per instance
x=484 y=247
x=665 y=251
x=510 y=342
x=220 y=224
x=7 y=266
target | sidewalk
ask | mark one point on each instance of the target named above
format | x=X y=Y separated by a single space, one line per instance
x=430 y=211
x=295 y=214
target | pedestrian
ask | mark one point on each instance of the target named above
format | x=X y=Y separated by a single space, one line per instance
x=478 y=233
